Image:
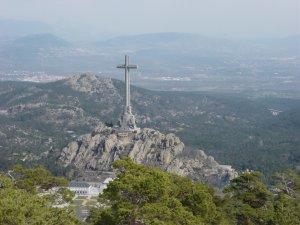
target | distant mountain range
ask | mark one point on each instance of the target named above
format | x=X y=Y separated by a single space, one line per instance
x=31 y=50
x=194 y=41
x=264 y=67
x=15 y=28
x=45 y=40
x=169 y=49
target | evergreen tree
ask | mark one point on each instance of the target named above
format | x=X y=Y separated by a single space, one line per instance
x=287 y=198
x=37 y=178
x=144 y=195
x=250 y=200
x=22 y=207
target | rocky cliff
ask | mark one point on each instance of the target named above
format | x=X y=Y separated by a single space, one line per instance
x=97 y=151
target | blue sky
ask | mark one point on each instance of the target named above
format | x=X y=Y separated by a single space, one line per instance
x=225 y=18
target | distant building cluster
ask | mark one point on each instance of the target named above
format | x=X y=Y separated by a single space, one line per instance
x=38 y=77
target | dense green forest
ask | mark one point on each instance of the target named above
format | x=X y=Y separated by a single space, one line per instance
x=144 y=195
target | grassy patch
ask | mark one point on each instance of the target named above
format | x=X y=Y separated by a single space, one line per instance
x=77 y=201
x=81 y=197
x=91 y=203
x=94 y=197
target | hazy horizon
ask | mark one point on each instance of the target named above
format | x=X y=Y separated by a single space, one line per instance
x=98 y=20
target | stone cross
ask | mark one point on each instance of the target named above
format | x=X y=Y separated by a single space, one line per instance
x=127 y=67
x=127 y=122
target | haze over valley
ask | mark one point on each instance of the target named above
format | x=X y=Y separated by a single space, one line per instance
x=168 y=61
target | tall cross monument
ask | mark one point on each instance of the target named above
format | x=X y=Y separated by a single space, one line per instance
x=127 y=121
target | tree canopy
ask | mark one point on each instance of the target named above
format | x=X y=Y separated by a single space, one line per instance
x=20 y=205
x=144 y=195
x=39 y=177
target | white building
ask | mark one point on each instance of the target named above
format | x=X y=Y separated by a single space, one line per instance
x=80 y=188
x=89 y=188
x=105 y=183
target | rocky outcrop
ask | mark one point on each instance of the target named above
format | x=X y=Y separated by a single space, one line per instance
x=90 y=83
x=97 y=151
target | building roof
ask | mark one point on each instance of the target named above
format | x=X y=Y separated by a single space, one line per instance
x=107 y=180
x=79 y=184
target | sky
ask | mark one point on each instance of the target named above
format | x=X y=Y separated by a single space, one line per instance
x=89 y=19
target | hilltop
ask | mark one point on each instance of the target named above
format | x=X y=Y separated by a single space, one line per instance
x=97 y=152
x=38 y=120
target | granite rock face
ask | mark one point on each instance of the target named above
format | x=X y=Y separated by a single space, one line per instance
x=97 y=151
x=90 y=84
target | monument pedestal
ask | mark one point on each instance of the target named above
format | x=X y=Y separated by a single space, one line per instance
x=127 y=121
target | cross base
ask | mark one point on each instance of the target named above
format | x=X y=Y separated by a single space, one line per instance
x=127 y=121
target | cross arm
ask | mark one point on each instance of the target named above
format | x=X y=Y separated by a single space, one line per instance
x=132 y=66
x=128 y=66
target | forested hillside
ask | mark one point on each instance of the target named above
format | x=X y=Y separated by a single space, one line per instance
x=37 y=120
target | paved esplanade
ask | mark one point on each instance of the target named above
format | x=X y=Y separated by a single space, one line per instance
x=127 y=121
